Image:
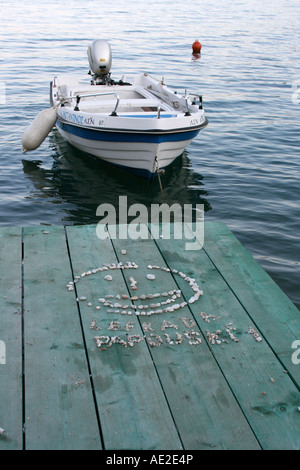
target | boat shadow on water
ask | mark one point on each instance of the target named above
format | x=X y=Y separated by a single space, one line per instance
x=79 y=183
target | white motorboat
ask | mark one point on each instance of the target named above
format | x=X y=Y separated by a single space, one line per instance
x=140 y=124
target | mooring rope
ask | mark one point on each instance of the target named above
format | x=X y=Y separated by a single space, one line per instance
x=159 y=172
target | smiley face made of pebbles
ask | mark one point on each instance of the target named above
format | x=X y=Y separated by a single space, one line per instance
x=141 y=305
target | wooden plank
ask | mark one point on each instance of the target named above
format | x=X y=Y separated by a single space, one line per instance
x=268 y=307
x=266 y=394
x=205 y=410
x=59 y=405
x=11 y=419
x=132 y=407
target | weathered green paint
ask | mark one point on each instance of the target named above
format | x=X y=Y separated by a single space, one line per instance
x=11 y=335
x=235 y=395
x=59 y=408
x=133 y=411
x=204 y=409
x=266 y=394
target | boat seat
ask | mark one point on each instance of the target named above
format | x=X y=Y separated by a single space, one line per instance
x=106 y=106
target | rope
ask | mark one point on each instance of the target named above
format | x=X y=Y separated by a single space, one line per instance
x=159 y=172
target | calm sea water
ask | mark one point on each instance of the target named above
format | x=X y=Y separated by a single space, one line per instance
x=244 y=167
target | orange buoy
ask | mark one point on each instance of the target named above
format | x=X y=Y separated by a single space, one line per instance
x=196 y=47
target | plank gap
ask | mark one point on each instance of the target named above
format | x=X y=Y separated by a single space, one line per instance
x=148 y=346
x=244 y=306
x=23 y=341
x=202 y=329
x=85 y=345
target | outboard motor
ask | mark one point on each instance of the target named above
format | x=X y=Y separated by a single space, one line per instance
x=100 y=57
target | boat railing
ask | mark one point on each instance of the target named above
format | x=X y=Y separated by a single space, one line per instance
x=195 y=96
x=186 y=96
x=88 y=95
x=114 y=112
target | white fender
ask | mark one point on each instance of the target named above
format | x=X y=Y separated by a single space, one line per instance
x=38 y=130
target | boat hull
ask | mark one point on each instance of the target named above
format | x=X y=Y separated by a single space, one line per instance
x=137 y=152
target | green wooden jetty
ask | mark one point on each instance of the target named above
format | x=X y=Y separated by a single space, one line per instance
x=221 y=372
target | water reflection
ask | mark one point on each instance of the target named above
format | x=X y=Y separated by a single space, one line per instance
x=79 y=183
x=196 y=56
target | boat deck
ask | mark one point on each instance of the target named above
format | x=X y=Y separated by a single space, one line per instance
x=214 y=374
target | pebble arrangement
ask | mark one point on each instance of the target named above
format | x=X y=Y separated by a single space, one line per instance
x=168 y=301
x=154 y=339
x=155 y=303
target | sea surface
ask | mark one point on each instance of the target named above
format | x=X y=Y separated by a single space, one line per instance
x=244 y=167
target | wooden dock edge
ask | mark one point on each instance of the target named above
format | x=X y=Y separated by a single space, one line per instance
x=58 y=392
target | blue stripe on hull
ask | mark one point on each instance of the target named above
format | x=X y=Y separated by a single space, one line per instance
x=102 y=135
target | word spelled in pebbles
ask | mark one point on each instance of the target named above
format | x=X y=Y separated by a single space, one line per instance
x=189 y=322
x=154 y=340
x=193 y=337
x=229 y=328
x=213 y=338
x=152 y=337
x=133 y=283
x=254 y=333
x=114 y=325
x=134 y=339
x=70 y=285
x=108 y=341
x=167 y=324
x=207 y=317
x=147 y=327
x=93 y=325
x=129 y=326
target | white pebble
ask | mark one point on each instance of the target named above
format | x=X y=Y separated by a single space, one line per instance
x=151 y=276
x=108 y=278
